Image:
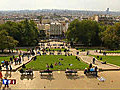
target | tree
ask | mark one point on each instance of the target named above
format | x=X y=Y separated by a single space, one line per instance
x=6 y=41
x=25 y=32
x=40 y=18
x=111 y=36
x=85 y=32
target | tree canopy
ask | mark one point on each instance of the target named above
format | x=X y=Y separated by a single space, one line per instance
x=25 y=32
x=85 y=32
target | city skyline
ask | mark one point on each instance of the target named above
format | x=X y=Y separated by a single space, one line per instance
x=90 y=5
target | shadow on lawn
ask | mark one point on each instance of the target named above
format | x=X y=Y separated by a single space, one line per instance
x=48 y=77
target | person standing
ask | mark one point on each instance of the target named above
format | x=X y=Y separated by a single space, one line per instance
x=11 y=59
x=6 y=64
x=23 y=57
x=1 y=75
x=93 y=60
x=28 y=57
x=6 y=82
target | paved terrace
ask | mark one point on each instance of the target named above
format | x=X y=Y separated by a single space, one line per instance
x=60 y=81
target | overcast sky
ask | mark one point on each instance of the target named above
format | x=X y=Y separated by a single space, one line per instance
x=114 y=5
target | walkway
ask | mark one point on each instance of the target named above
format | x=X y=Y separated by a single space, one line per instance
x=88 y=59
x=15 y=67
x=92 y=52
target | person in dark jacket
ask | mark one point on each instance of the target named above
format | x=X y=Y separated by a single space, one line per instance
x=51 y=66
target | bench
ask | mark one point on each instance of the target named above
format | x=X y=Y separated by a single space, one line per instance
x=26 y=72
x=70 y=72
x=45 y=71
x=91 y=73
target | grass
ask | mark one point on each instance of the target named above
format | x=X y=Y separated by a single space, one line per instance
x=115 y=51
x=40 y=63
x=6 y=58
x=110 y=59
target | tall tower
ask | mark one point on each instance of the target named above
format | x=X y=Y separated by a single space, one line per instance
x=107 y=11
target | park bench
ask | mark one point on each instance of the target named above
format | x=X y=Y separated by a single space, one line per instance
x=71 y=72
x=26 y=72
x=45 y=71
x=94 y=73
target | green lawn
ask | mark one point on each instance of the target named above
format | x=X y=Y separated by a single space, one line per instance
x=110 y=59
x=40 y=63
x=5 y=58
x=115 y=51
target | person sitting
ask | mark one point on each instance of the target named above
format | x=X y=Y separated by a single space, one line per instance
x=59 y=63
x=68 y=69
x=47 y=70
x=47 y=66
x=51 y=66
x=23 y=66
x=90 y=66
x=92 y=69
x=21 y=71
x=104 y=62
x=85 y=71
x=101 y=58
x=55 y=64
x=30 y=71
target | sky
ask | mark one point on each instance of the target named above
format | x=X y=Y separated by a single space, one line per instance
x=94 y=5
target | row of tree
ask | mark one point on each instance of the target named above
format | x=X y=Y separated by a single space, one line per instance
x=92 y=33
x=24 y=33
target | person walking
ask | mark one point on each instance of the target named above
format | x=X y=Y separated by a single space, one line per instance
x=10 y=67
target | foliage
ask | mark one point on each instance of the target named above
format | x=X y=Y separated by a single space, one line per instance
x=6 y=41
x=111 y=36
x=85 y=32
x=25 y=32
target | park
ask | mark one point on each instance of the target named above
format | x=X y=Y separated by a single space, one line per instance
x=69 y=59
x=84 y=59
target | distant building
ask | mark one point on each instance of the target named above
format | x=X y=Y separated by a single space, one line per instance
x=107 y=11
x=106 y=19
x=46 y=21
x=45 y=28
x=56 y=30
